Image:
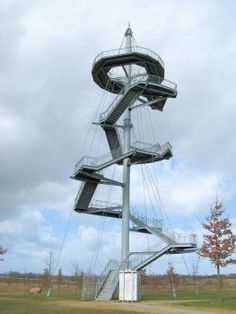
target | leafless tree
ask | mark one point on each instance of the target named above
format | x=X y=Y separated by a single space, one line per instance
x=78 y=274
x=59 y=278
x=220 y=242
x=48 y=271
x=2 y=252
x=50 y=262
x=172 y=278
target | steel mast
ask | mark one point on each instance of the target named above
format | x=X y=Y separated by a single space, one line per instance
x=126 y=166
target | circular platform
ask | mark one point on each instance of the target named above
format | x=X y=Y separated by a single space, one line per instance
x=105 y=61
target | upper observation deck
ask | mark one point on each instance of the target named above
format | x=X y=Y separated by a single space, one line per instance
x=105 y=61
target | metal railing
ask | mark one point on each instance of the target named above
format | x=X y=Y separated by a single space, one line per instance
x=140 y=220
x=125 y=51
x=103 y=204
x=78 y=194
x=134 y=80
x=166 y=231
x=97 y=161
x=139 y=259
x=151 y=148
x=114 y=103
x=111 y=265
x=150 y=222
x=89 y=287
x=116 y=153
x=144 y=77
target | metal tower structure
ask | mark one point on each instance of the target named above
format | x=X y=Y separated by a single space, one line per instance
x=145 y=87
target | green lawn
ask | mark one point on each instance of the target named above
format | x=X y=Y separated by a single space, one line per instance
x=35 y=304
x=205 y=299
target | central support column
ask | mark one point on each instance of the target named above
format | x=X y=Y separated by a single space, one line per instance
x=126 y=168
x=126 y=195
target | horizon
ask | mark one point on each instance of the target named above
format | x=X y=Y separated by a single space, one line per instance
x=48 y=101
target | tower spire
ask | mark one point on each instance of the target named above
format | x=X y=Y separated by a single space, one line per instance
x=129 y=36
x=129 y=31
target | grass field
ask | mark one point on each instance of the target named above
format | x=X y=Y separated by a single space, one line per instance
x=206 y=299
x=26 y=303
x=59 y=304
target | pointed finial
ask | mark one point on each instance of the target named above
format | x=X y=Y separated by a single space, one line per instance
x=129 y=31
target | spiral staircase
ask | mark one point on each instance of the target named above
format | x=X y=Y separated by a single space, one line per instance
x=148 y=88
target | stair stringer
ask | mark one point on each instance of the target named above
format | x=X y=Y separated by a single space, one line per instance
x=85 y=195
x=108 y=287
x=168 y=249
x=142 y=227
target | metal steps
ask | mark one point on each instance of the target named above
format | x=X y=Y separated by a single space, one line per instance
x=88 y=168
x=142 y=224
x=108 y=287
x=85 y=195
x=171 y=243
x=115 y=110
x=113 y=139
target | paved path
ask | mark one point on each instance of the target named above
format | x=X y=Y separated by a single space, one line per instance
x=165 y=309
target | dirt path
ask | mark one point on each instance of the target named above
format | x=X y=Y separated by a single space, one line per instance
x=152 y=307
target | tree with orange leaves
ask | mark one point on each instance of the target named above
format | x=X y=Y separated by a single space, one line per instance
x=220 y=242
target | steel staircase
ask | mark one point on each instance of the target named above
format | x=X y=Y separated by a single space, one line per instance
x=171 y=243
x=113 y=113
x=150 y=86
x=86 y=194
x=109 y=286
x=88 y=169
x=162 y=232
x=113 y=138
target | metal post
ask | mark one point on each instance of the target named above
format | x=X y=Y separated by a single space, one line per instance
x=126 y=168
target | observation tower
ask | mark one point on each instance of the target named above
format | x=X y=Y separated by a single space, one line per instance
x=141 y=82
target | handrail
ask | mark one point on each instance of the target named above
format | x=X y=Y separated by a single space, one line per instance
x=134 y=80
x=111 y=265
x=152 y=79
x=178 y=238
x=103 y=204
x=125 y=51
x=116 y=153
x=97 y=161
x=112 y=105
x=166 y=231
x=137 y=260
x=78 y=194
x=152 y=148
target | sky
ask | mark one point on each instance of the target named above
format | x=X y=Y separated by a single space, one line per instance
x=48 y=101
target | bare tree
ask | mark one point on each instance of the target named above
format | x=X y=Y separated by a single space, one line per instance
x=219 y=245
x=173 y=279
x=46 y=279
x=59 y=278
x=77 y=275
x=48 y=271
x=2 y=252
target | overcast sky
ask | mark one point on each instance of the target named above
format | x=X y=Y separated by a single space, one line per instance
x=48 y=101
